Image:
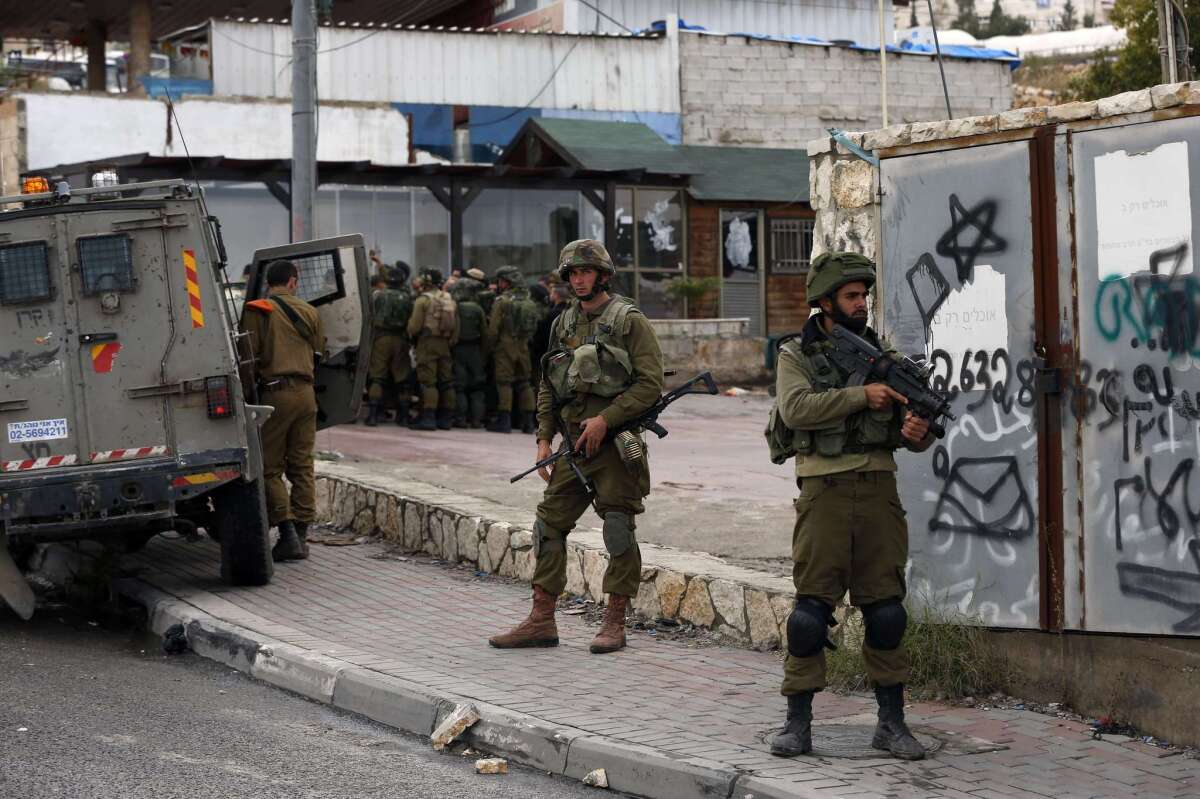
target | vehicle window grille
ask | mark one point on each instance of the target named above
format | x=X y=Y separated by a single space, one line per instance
x=319 y=275
x=25 y=273
x=106 y=264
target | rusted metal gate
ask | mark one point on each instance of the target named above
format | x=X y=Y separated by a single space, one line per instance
x=1049 y=278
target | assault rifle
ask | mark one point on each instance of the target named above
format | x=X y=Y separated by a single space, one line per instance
x=864 y=361
x=648 y=420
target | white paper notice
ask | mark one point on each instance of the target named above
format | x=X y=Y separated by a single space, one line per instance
x=1142 y=205
x=973 y=317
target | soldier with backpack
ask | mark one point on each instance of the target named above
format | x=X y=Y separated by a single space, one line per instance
x=470 y=377
x=434 y=327
x=390 y=366
x=514 y=320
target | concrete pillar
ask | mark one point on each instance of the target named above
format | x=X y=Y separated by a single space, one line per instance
x=139 y=45
x=97 y=34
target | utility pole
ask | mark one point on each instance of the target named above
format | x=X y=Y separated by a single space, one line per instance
x=304 y=119
x=1166 y=41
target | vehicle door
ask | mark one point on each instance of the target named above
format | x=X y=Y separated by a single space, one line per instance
x=334 y=279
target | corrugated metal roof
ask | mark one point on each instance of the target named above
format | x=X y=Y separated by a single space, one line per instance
x=850 y=20
x=455 y=67
x=600 y=145
x=752 y=174
x=62 y=18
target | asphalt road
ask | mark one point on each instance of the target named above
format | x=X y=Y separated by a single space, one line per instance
x=713 y=487
x=88 y=712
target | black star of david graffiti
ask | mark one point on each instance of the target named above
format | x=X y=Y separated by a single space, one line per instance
x=980 y=218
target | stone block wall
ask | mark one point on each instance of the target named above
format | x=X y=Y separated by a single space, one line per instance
x=843 y=188
x=749 y=614
x=755 y=93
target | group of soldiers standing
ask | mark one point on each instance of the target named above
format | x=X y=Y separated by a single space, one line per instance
x=441 y=339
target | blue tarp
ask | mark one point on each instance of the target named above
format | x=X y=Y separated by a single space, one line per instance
x=948 y=50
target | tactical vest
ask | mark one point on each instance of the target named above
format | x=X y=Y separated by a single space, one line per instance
x=521 y=315
x=857 y=433
x=471 y=322
x=440 y=315
x=590 y=357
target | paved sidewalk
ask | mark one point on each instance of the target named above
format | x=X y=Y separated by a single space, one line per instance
x=691 y=720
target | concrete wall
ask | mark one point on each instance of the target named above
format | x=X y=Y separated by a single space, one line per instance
x=71 y=127
x=750 y=92
x=720 y=346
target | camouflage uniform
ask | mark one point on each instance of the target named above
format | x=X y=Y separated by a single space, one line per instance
x=512 y=370
x=603 y=387
x=470 y=376
x=391 y=365
x=435 y=368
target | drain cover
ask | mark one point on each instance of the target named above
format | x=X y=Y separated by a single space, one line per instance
x=852 y=741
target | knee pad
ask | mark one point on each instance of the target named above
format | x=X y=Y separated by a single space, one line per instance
x=885 y=622
x=806 y=627
x=546 y=540
x=618 y=532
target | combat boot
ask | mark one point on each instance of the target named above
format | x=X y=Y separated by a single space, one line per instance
x=373 y=410
x=796 y=736
x=891 y=733
x=288 y=545
x=527 y=423
x=612 y=630
x=402 y=414
x=502 y=423
x=459 y=422
x=443 y=419
x=302 y=536
x=538 y=629
x=427 y=421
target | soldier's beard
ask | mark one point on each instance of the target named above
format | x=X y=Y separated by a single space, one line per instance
x=598 y=288
x=855 y=324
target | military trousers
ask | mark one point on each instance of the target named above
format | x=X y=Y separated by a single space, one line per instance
x=619 y=495
x=513 y=374
x=470 y=379
x=390 y=364
x=435 y=373
x=850 y=535
x=288 y=439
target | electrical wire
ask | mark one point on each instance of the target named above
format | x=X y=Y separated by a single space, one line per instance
x=533 y=99
x=613 y=20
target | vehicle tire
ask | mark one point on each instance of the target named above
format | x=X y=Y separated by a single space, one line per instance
x=240 y=518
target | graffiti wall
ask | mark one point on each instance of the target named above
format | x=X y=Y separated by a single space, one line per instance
x=958 y=289
x=1137 y=205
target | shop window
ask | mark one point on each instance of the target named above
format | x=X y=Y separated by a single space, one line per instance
x=649 y=250
x=791 y=245
x=25 y=273
x=106 y=264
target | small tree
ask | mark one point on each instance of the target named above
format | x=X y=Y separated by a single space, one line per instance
x=1136 y=65
x=967 y=20
x=1001 y=24
x=1068 y=21
x=912 y=16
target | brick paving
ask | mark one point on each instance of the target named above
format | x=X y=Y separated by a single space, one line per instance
x=428 y=624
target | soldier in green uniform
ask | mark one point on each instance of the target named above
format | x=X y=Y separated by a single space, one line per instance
x=513 y=322
x=850 y=533
x=470 y=377
x=434 y=327
x=390 y=364
x=286 y=338
x=486 y=296
x=606 y=366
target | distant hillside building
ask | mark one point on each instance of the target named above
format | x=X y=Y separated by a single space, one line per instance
x=1043 y=15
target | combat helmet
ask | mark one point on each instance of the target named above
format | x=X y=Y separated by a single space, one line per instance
x=512 y=274
x=431 y=276
x=584 y=252
x=832 y=270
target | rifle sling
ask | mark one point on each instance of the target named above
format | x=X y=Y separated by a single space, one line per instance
x=293 y=317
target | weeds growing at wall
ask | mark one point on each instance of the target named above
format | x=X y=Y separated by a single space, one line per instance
x=949 y=655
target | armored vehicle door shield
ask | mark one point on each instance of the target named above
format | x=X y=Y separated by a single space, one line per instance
x=334 y=279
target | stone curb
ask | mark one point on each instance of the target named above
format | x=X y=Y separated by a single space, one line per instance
x=414 y=708
x=744 y=607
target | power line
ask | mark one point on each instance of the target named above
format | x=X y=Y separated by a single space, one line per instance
x=533 y=99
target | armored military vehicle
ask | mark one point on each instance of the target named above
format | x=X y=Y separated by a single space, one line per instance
x=123 y=411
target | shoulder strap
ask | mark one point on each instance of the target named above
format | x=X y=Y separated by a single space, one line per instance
x=301 y=326
x=261 y=305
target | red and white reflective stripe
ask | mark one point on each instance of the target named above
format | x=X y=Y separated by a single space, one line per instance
x=38 y=463
x=128 y=454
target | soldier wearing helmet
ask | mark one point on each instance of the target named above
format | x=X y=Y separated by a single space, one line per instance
x=470 y=376
x=513 y=322
x=434 y=327
x=850 y=533
x=603 y=368
x=391 y=309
